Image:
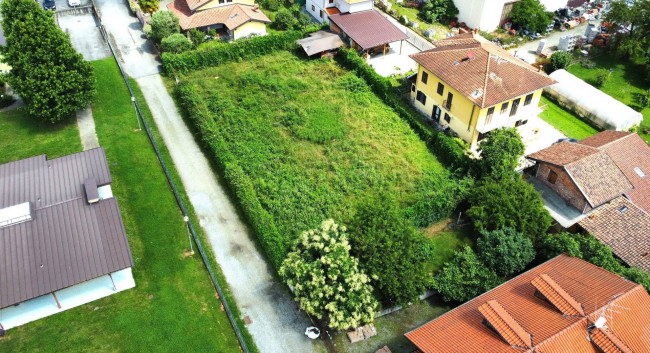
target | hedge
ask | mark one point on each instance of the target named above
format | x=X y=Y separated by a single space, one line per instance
x=450 y=151
x=237 y=180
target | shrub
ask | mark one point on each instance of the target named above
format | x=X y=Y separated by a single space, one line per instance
x=304 y=19
x=637 y=275
x=531 y=14
x=551 y=245
x=163 y=24
x=176 y=43
x=146 y=29
x=438 y=11
x=602 y=76
x=644 y=99
x=464 y=277
x=133 y=6
x=197 y=37
x=560 y=60
x=271 y=5
x=506 y=251
x=500 y=153
x=149 y=6
x=327 y=281
x=284 y=19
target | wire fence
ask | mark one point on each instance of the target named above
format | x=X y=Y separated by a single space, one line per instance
x=179 y=201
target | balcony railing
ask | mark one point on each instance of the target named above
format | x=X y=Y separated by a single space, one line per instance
x=446 y=105
x=502 y=120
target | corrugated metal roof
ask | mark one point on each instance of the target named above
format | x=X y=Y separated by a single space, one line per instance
x=320 y=41
x=68 y=241
x=369 y=28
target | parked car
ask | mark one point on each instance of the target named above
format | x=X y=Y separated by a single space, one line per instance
x=74 y=2
x=565 y=140
x=49 y=5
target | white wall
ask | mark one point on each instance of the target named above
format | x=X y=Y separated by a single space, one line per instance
x=318 y=6
x=552 y=5
x=482 y=14
x=248 y=30
x=69 y=298
x=356 y=7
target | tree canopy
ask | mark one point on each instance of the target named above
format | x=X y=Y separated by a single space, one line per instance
x=389 y=249
x=326 y=279
x=464 y=277
x=438 y=11
x=500 y=153
x=175 y=43
x=636 y=40
x=163 y=24
x=531 y=14
x=560 y=60
x=52 y=79
x=506 y=250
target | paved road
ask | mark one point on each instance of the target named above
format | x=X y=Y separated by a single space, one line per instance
x=552 y=40
x=84 y=35
x=277 y=326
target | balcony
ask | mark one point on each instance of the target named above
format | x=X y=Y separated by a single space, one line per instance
x=446 y=105
x=503 y=120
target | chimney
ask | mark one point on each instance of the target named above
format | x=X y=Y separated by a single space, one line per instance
x=476 y=30
x=256 y=7
x=92 y=193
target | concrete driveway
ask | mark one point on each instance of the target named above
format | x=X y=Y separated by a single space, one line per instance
x=85 y=35
x=394 y=62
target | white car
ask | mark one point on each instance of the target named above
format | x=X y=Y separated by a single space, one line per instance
x=74 y=2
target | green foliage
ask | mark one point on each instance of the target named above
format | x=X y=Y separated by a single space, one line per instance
x=163 y=24
x=284 y=19
x=464 y=277
x=197 y=37
x=327 y=281
x=508 y=203
x=52 y=79
x=500 y=153
x=637 y=275
x=635 y=41
x=438 y=202
x=551 y=245
x=175 y=43
x=560 y=60
x=221 y=53
x=304 y=19
x=149 y=6
x=644 y=99
x=506 y=251
x=531 y=14
x=602 y=76
x=438 y=11
x=390 y=250
x=271 y=5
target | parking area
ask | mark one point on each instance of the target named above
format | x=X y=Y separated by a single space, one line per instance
x=84 y=33
x=63 y=5
x=395 y=62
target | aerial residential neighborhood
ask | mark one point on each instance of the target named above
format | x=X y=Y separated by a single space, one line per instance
x=325 y=176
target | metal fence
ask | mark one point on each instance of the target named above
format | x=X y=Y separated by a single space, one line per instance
x=417 y=41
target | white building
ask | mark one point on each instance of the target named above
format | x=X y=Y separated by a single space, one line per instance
x=321 y=9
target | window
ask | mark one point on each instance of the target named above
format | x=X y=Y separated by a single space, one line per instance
x=481 y=136
x=331 y=1
x=529 y=98
x=447 y=118
x=552 y=177
x=441 y=88
x=639 y=172
x=515 y=105
x=622 y=209
x=450 y=98
x=420 y=97
x=488 y=117
x=221 y=1
x=425 y=77
x=504 y=108
x=320 y=13
x=412 y=88
x=313 y=8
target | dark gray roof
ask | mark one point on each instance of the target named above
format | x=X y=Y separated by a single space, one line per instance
x=68 y=241
x=368 y=28
x=320 y=41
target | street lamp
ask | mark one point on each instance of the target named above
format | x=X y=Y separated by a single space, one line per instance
x=136 y=113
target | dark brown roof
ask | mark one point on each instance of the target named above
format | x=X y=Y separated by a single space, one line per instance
x=604 y=137
x=625 y=228
x=369 y=28
x=494 y=74
x=563 y=153
x=232 y=16
x=67 y=241
x=462 y=330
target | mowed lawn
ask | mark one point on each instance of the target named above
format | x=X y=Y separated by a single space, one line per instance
x=626 y=83
x=173 y=307
x=567 y=123
x=314 y=140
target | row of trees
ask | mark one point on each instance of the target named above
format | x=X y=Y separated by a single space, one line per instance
x=635 y=40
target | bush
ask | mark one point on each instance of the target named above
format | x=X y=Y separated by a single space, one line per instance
x=163 y=24
x=464 y=278
x=438 y=11
x=197 y=37
x=133 y=6
x=500 y=153
x=505 y=251
x=602 y=76
x=176 y=43
x=637 y=275
x=284 y=19
x=560 y=60
x=149 y=6
x=531 y=14
x=146 y=29
x=644 y=99
x=304 y=19
x=551 y=245
x=271 y=5
x=508 y=203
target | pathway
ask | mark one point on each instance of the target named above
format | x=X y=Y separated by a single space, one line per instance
x=86 y=125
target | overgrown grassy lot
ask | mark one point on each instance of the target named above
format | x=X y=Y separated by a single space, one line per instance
x=626 y=83
x=567 y=123
x=173 y=307
x=313 y=140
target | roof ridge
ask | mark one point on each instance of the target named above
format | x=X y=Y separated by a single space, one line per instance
x=554 y=286
x=485 y=82
x=507 y=319
x=618 y=343
x=618 y=139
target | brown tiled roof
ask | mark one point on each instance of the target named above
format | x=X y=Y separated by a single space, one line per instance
x=494 y=72
x=232 y=16
x=195 y=4
x=67 y=241
x=563 y=153
x=627 y=232
x=369 y=28
x=507 y=327
x=608 y=342
x=461 y=330
x=557 y=296
x=604 y=137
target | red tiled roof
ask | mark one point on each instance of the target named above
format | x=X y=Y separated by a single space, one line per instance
x=232 y=16
x=505 y=325
x=461 y=330
x=369 y=28
x=563 y=153
x=604 y=137
x=557 y=296
x=195 y=4
x=626 y=231
x=332 y=10
x=608 y=342
x=492 y=72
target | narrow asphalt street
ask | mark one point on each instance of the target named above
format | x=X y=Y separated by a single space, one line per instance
x=276 y=324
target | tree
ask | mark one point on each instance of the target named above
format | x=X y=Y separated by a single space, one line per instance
x=551 y=245
x=465 y=277
x=438 y=11
x=500 y=153
x=506 y=251
x=149 y=6
x=175 y=43
x=531 y=14
x=327 y=281
x=560 y=60
x=197 y=37
x=52 y=79
x=508 y=203
x=304 y=19
x=283 y=19
x=163 y=24
x=389 y=250
x=637 y=19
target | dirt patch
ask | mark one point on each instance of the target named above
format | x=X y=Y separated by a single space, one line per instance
x=187 y=253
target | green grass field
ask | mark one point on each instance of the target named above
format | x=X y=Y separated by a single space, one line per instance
x=626 y=83
x=183 y=314
x=313 y=139
x=567 y=123
x=412 y=14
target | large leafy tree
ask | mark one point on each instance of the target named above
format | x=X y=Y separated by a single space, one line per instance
x=163 y=24
x=389 y=249
x=500 y=153
x=636 y=40
x=52 y=79
x=531 y=14
x=464 y=277
x=326 y=279
x=438 y=11
x=497 y=204
x=506 y=250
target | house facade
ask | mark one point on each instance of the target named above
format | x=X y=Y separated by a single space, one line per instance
x=231 y=19
x=322 y=9
x=472 y=87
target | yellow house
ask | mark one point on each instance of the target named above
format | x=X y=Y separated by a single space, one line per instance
x=232 y=19
x=472 y=86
